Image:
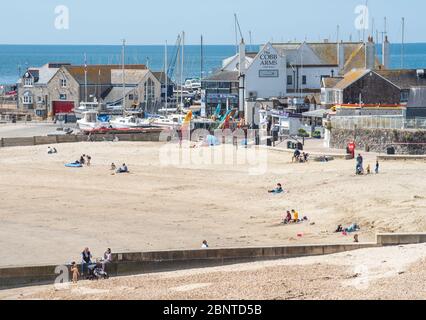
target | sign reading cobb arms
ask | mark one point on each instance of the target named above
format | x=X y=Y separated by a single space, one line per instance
x=268 y=59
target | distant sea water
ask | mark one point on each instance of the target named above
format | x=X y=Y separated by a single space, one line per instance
x=14 y=59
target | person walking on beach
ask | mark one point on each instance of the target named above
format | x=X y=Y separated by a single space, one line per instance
x=359 y=165
x=377 y=167
x=75 y=273
x=89 y=159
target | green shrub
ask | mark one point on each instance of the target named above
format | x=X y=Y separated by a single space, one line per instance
x=303 y=133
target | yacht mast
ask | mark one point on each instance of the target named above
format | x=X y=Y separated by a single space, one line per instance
x=182 y=67
x=85 y=77
x=165 y=74
x=123 y=61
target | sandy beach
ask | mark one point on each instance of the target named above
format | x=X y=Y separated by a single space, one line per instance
x=380 y=273
x=49 y=213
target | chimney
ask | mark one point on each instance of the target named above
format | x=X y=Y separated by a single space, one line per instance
x=341 y=56
x=370 y=54
x=386 y=53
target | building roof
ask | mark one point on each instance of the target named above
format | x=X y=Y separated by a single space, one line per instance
x=115 y=95
x=403 y=79
x=326 y=53
x=97 y=74
x=226 y=76
x=132 y=77
x=42 y=75
x=161 y=76
x=331 y=82
x=350 y=78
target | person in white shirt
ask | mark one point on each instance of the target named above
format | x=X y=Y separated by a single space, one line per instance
x=205 y=245
x=107 y=258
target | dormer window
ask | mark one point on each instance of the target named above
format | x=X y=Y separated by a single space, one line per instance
x=28 y=82
x=63 y=83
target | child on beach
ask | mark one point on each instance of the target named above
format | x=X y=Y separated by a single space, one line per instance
x=75 y=272
x=89 y=159
x=278 y=189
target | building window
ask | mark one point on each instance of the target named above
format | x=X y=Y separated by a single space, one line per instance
x=405 y=94
x=131 y=97
x=63 y=83
x=62 y=96
x=289 y=80
x=149 y=87
x=28 y=99
x=304 y=80
x=28 y=82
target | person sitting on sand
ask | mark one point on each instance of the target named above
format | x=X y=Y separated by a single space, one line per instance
x=205 y=245
x=339 y=228
x=86 y=259
x=82 y=159
x=49 y=150
x=123 y=169
x=113 y=167
x=296 y=156
x=295 y=216
x=107 y=258
x=75 y=273
x=288 y=218
x=305 y=157
x=278 y=189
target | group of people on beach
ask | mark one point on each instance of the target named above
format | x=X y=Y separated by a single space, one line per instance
x=300 y=157
x=122 y=169
x=360 y=166
x=89 y=269
x=293 y=217
x=84 y=160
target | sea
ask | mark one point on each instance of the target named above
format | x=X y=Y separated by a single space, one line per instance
x=15 y=59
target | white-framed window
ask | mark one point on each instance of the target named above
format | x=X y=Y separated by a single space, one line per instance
x=63 y=83
x=28 y=82
x=62 y=96
x=28 y=99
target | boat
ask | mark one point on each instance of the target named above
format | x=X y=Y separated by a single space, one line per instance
x=130 y=122
x=90 y=120
x=192 y=85
x=170 y=122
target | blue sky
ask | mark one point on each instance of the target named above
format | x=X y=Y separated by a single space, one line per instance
x=153 y=22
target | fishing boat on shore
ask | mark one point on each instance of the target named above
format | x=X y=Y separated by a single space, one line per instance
x=131 y=122
x=90 y=120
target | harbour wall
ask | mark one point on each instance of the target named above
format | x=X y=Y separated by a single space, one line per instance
x=137 y=263
x=404 y=142
x=52 y=140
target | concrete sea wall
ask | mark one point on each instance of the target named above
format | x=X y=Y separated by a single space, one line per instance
x=161 y=261
x=51 y=140
x=405 y=142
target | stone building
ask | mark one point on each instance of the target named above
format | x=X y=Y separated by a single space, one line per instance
x=72 y=85
x=142 y=89
x=33 y=88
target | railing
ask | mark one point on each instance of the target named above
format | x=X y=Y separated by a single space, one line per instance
x=377 y=122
